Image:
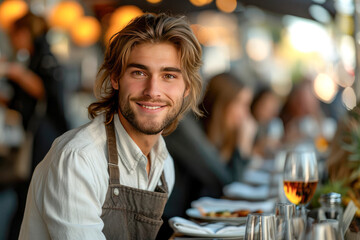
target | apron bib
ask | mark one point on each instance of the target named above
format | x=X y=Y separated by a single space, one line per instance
x=130 y=213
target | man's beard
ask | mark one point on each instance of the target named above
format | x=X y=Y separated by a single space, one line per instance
x=151 y=128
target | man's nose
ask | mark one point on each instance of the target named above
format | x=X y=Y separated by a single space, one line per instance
x=153 y=87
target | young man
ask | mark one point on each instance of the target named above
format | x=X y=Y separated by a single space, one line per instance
x=111 y=177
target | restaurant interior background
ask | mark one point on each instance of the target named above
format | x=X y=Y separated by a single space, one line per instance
x=266 y=42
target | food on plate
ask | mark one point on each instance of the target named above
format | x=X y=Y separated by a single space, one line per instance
x=227 y=213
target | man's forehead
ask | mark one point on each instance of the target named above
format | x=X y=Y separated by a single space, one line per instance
x=149 y=45
x=159 y=55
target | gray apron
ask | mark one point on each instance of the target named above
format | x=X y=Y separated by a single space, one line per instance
x=130 y=213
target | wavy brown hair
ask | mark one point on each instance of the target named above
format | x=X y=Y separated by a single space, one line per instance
x=149 y=28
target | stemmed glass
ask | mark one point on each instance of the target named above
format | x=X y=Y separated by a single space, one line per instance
x=300 y=178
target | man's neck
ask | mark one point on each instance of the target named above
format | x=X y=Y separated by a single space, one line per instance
x=144 y=141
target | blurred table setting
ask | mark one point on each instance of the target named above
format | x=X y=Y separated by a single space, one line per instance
x=207 y=229
x=224 y=218
x=257 y=198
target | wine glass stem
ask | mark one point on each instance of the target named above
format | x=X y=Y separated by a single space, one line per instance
x=301 y=209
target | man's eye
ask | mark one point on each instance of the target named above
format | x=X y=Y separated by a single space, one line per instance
x=138 y=73
x=170 y=76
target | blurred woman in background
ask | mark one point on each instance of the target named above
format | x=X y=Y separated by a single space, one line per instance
x=228 y=123
x=213 y=151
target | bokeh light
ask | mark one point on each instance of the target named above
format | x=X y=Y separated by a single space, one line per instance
x=325 y=88
x=349 y=98
x=227 y=6
x=10 y=11
x=319 y=13
x=347 y=52
x=200 y=3
x=299 y=31
x=65 y=14
x=86 y=31
x=258 y=49
x=120 y=18
x=344 y=78
x=154 y=1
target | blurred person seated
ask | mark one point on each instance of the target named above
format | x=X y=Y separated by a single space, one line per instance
x=213 y=151
x=37 y=78
x=227 y=121
x=265 y=108
x=304 y=120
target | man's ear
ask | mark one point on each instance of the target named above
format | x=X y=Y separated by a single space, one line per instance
x=187 y=92
x=114 y=82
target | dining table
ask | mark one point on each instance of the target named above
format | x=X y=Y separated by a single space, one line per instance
x=257 y=192
x=260 y=189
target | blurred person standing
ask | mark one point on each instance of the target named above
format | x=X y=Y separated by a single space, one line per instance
x=111 y=178
x=39 y=79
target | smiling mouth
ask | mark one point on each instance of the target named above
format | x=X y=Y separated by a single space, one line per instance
x=150 y=107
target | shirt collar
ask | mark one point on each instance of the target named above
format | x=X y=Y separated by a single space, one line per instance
x=130 y=154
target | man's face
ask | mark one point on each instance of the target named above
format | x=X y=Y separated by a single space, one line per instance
x=152 y=90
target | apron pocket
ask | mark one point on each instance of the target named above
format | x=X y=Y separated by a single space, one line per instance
x=144 y=219
x=146 y=228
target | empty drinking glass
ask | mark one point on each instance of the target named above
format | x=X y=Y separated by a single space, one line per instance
x=260 y=226
x=284 y=213
x=323 y=231
x=286 y=210
x=290 y=224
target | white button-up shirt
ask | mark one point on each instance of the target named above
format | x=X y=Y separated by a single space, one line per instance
x=69 y=186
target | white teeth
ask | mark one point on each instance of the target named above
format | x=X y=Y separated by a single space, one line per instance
x=149 y=107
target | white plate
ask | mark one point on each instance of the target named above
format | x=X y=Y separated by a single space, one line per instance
x=194 y=213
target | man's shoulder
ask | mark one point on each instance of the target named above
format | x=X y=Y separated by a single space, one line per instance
x=79 y=148
x=87 y=137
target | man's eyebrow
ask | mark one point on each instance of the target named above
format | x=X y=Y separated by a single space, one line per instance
x=170 y=69
x=136 y=65
x=164 y=69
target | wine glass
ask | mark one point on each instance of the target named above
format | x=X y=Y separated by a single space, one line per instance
x=300 y=177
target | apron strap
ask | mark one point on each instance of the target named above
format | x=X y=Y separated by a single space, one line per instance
x=163 y=181
x=114 y=174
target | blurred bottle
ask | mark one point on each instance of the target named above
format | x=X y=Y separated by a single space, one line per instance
x=331 y=211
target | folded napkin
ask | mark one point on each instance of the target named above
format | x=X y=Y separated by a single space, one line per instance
x=214 y=204
x=184 y=226
x=257 y=177
x=245 y=191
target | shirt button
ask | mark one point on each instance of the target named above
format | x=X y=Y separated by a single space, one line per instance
x=116 y=191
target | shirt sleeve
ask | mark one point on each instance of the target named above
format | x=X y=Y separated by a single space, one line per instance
x=71 y=202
